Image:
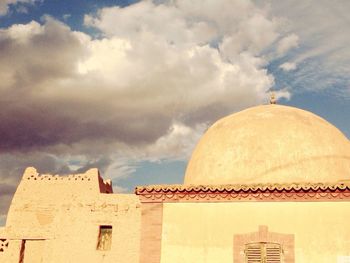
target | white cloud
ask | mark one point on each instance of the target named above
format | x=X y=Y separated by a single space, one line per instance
x=121 y=167
x=283 y=93
x=324 y=51
x=172 y=44
x=287 y=43
x=179 y=142
x=23 y=33
x=66 y=16
x=288 y=66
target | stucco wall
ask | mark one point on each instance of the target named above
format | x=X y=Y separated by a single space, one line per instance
x=72 y=236
x=59 y=218
x=204 y=232
x=77 y=234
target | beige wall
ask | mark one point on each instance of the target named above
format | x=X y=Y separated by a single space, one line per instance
x=78 y=230
x=59 y=217
x=203 y=232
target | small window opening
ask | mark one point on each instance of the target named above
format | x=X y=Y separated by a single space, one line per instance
x=104 y=238
x=263 y=252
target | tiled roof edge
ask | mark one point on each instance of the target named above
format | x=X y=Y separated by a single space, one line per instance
x=345 y=185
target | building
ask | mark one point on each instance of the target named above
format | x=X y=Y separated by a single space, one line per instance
x=268 y=184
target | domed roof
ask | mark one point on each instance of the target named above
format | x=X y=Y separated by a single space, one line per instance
x=270 y=144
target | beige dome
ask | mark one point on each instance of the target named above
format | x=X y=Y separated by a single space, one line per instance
x=270 y=144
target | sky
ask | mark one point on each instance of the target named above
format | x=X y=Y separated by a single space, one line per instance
x=129 y=87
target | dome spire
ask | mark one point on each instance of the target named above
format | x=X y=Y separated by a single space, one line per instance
x=273 y=99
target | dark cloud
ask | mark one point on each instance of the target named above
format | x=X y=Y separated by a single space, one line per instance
x=4 y=205
x=6 y=189
x=36 y=111
x=25 y=128
x=12 y=166
x=6 y=193
x=35 y=53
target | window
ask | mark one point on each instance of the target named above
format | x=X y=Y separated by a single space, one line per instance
x=263 y=246
x=263 y=252
x=104 y=238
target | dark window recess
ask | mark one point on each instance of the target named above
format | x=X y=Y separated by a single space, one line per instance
x=104 y=238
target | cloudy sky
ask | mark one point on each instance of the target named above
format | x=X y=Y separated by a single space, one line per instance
x=129 y=87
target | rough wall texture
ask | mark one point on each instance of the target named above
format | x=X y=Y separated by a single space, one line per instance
x=58 y=218
x=82 y=222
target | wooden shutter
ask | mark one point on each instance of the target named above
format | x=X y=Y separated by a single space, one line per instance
x=273 y=252
x=263 y=252
x=253 y=253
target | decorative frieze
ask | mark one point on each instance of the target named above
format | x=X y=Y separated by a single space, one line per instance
x=227 y=193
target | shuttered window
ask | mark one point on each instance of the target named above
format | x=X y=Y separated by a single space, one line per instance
x=263 y=252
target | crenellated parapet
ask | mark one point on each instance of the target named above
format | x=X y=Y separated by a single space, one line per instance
x=40 y=197
x=91 y=176
x=31 y=174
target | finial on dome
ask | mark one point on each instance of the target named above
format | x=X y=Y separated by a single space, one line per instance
x=273 y=99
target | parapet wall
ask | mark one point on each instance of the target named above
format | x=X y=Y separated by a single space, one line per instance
x=39 y=197
x=90 y=178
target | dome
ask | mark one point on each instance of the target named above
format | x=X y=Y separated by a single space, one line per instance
x=270 y=144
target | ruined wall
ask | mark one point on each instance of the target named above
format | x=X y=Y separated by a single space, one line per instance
x=58 y=219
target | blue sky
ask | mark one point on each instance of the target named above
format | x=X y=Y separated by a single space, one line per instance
x=129 y=87
x=71 y=12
